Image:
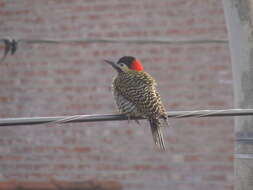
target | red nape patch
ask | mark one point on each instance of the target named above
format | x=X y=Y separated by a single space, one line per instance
x=136 y=65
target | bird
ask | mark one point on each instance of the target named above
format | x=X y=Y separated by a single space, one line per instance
x=136 y=95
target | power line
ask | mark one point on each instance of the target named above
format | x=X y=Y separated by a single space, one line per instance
x=132 y=41
x=118 y=117
x=240 y=138
x=11 y=44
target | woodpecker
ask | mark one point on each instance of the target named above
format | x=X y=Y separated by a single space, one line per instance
x=135 y=94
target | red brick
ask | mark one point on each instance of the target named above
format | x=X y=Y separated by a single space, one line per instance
x=69 y=140
x=192 y=158
x=217 y=103
x=61 y=167
x=92 y=184
x=8 y=185
x=68 y=71
x=221 y=168
x=61 y=149
x=214 y=178
x=36 y=186
x=111 y=167
x=5 y=99
x=142 y=167
x=2 y=4
x=163 y=168
x=82 y=149
x=10 y=157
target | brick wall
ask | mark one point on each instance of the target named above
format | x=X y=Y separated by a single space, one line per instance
x=48 y=80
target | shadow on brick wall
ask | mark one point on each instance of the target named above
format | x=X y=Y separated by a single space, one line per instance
x=61 y=185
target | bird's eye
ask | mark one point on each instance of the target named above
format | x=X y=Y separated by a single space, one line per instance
x=121 y=64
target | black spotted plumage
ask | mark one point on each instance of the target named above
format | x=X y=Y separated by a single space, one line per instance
x=136 y=95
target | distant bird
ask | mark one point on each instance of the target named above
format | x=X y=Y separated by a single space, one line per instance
x=136 y=95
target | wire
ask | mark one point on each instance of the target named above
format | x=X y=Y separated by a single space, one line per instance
x=11 y=44
x=118 y=117
x=110 y=40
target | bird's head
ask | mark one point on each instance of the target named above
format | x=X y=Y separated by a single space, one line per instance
x=126 y=63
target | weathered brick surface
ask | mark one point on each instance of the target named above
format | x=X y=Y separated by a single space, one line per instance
x=62 y=185
x=47 y=80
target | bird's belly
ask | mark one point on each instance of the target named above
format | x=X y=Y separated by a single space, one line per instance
x=125 y=106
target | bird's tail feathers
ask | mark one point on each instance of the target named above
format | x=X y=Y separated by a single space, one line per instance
x=157 y=133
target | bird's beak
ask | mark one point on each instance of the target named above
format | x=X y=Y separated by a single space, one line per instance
x=114 y=65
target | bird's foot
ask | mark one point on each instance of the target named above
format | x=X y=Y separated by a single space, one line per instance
x=137 y=121
x=128 y=118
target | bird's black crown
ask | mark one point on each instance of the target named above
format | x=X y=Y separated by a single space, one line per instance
x=127 y=60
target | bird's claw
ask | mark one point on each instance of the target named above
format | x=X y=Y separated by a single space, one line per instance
x=137 y=121
x=128 y=118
